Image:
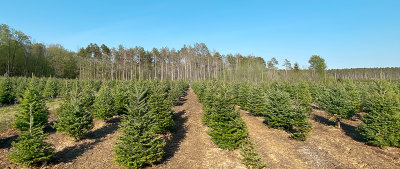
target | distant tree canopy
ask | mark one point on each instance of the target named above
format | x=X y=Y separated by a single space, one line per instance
x=19 y=56
x=317 y=64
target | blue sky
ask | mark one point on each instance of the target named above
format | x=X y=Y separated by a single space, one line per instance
x=347 y=33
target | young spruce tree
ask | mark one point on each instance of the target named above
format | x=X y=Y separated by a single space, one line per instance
x=6 y=93
x=30 y=147
x=160 y=110
x=337 y=101
x=381 y=125
x=256 y=101
x=87 y=96
x=33 y=103
x=73 y=119
x=228 y=130
x=138 y=145
x=50 y=89
x=104 y=104
x=243 y=96
x=121 y=98
x=282 y=115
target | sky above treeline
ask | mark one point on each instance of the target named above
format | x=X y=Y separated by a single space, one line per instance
x=347 y=33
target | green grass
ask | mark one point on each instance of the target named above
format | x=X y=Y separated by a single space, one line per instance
x=7 y=113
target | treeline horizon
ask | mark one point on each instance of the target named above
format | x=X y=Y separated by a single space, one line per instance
x=19 y=56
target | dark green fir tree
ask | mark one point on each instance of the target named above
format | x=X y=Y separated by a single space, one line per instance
x=73 y=119
x=104 y=103
x=50 y=89
x=161 y=113
x=138 y=145
x=34 y=103
x=381 y=125
x=30 y=147
x=7 y=95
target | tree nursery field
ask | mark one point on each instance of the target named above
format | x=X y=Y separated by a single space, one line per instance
x=134 y=84
x=61 y=123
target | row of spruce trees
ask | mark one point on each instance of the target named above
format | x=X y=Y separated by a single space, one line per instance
x=145 y=107
x=282 y=105
x=148 y=115
x=287 y=105
x=227 y=129
x=377 y=99
x=74 y=119
x=12 y=89
x=74 y=116
x=30 y=147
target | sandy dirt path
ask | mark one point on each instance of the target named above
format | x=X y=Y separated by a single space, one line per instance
x=192 y=145
x=93 y=151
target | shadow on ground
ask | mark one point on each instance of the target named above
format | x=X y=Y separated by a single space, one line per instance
x=49 y=128
x=177 y=135
x=349 y=130
x=70 y=153
x=6 y=142
x=181 y=100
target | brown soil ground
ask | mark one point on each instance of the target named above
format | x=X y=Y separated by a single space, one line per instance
x=188 y=146
x=326 y=147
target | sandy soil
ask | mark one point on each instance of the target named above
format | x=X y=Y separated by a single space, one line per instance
x=326 y=147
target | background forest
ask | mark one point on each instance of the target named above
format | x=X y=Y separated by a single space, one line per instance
x=20 y=56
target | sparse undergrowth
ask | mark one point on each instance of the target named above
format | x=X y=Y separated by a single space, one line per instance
x=250 y=157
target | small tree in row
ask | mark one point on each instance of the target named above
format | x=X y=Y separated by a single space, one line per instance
x=87 y=97
x=121 y=97
x=282 y=115
x=160 y=110
x=104 y=104
x=73 y=118
x=6 y=93
x=243 y=96
x=382 y=120
x=50 y=89
x=32 y=103
x=138 y=145
x=30 y=147
x=337 y=101
x=301 y=96
x=256 y=101
x=227 y=129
